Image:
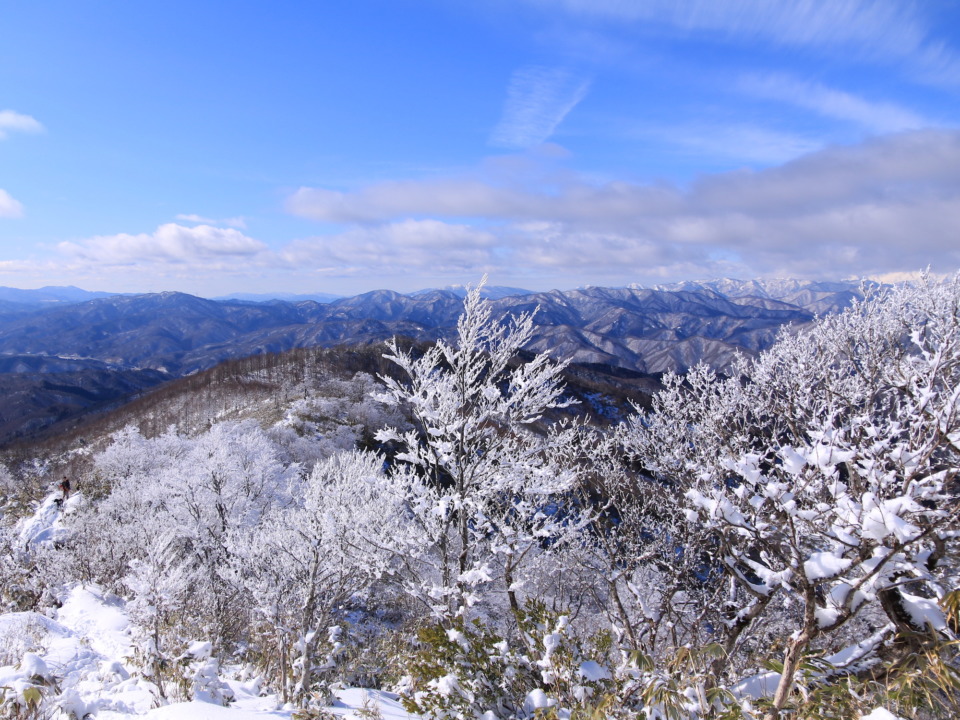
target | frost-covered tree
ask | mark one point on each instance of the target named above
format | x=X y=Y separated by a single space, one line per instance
x=161 y=581
x=637 y=561
x=313 y=554
x=482 y=452
x=226 y=479
x=170 y=504
x=823 y=475
x=336 y=415
x=123 y=511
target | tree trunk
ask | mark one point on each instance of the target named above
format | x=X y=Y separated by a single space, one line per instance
x=284 y=680
x=791 y=662
x=302 y=689
x=624 y=616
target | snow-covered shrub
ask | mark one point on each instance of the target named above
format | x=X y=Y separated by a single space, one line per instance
x=19 y=589
x=25 y=692
x=15 y=495
x=464 y=671
x=21 y=634
x=22 y=488
x=200 y=675
x=469 y=670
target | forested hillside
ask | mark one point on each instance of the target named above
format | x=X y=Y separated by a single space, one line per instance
x=490 y=533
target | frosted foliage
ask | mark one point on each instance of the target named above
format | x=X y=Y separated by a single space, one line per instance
x=161 y=582
x=641 y=564
x=226 y=478
x=172 y=504
x=335 y=417
x=307 y=558
x=18 y=586
x=9 y=487
x=131 y=455
x=823 y=469
x=483 y=478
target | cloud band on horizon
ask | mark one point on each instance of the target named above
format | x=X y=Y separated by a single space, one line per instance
x=873 y=207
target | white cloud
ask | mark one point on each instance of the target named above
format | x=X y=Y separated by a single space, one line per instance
x=877 y=117
x=906 y=167
x=414 y=246
x=203 y=260
x=538 y=99
x=888 y=204
x=9 y=207
x=907 y=277
x=170 y=243
x=234 y=222
x=458 y=197
x=11 y=121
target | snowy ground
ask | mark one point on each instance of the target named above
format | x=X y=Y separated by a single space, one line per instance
x=83 y=653
x=85 y=649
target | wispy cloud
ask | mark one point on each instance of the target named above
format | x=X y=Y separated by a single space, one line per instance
x=170 y=243
x=234 y=222
x=9 y=207
x=538 y=99
x=11 y=121
x=742 y=142
x=875 y=30
x=879 y=117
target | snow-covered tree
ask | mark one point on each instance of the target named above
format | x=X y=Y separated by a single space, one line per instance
x=169 y=507
x=161 y=582
x=226 y=479
x=310 y=556
x=121 y=509
x=335 y=415
x=636 y=561
x=482 y=454
x=824 y=474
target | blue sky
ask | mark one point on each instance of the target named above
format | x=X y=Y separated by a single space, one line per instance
x=341 y=147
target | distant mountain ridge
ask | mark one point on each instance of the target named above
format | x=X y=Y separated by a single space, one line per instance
x=491 y=292
x=49 y=294
x=284 y=297
x=648 y=329
x=25 y=299
x=165 y=335
x=816 y=296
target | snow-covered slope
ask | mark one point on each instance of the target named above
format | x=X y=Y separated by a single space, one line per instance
x=82 y=661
